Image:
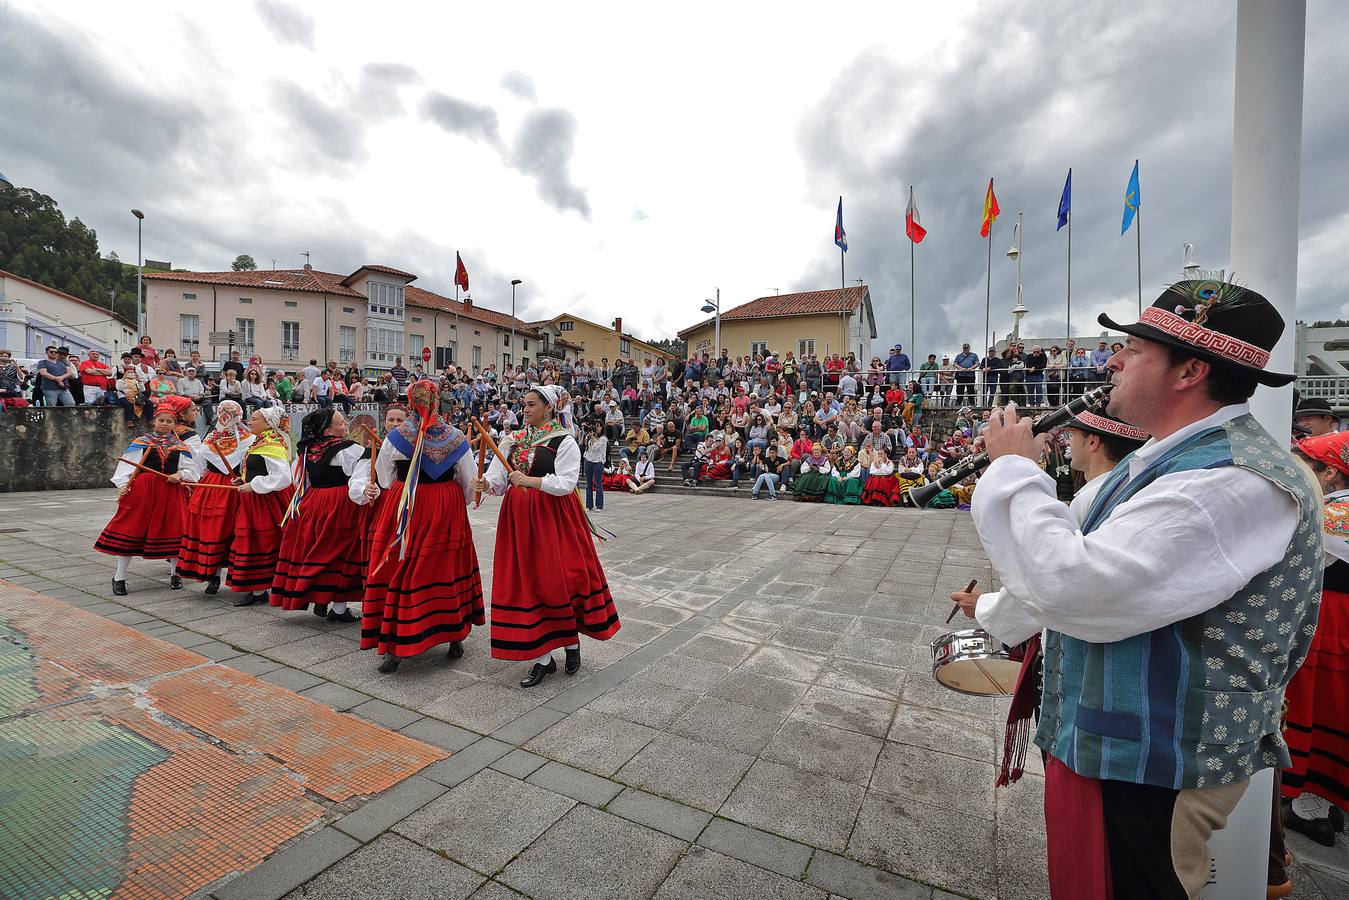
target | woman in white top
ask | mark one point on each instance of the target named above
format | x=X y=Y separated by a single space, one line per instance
x=644 y=475
x=547 y=582
x=211 y=511
x=263 y=497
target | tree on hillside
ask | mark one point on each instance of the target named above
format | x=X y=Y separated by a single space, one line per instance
x=243 y=263
x=37 y=242
x=673 y=347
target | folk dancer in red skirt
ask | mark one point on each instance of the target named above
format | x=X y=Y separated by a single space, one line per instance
x=1318 y=696
x=423 y=586
x=882 y=487
x=321 y=562
x=544 y=596
x=210 y=512
x=264 y=496
x=150 y=507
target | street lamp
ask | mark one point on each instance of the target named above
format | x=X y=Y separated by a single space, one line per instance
x=140 y=263
x=714 y=306
x=5 y=183
x=1014 y=254
x=1191 y=267
x=514 y=353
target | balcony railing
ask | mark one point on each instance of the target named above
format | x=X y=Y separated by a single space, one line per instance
x=290 y=353
x=1332 y=388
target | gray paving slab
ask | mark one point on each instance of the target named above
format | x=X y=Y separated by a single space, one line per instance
x=519 y=763
x=688 y=770
x=575 y=783
x=337 y=696
x=533 y=723
x=440 y=734
x=387 y=714
x=467 y=762
x=564 y=864
x=937 y=779
x=645 y=702
x=918 y=841
x=852 y=712
x=805 y=806
x=253 y=665
x=284 y=872
x=378 y=815
x=494 y=890
x=848 y=878
x=770 y=693
x=391 y=868
x=742 y=728
x=592 y=741
x=483 y=706
x=707 y=875
x=485 y=821
x=759 y=848
x=672 y=818
x=825 y=750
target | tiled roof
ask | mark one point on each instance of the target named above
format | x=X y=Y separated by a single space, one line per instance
x=415 y=296
x=309 y=281
x=383 y=270
x=805 y=303
x=50 y=289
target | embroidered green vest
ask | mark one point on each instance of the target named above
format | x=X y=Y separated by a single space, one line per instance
x=1197 y=703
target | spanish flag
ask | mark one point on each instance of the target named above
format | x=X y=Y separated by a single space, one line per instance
x=991 y=210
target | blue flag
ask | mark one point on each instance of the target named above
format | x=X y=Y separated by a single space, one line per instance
x=840 y=237
x=1132 y=197
x=1066 y=201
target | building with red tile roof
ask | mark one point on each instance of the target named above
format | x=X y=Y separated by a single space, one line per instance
x=820 y=322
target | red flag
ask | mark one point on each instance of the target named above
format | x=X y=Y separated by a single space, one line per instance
x=460 y=273
x=913 y=226
x=991 y=210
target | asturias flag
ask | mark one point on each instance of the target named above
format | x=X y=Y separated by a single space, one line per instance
x=913 y=226
x=1132 y=198
x=1066 y=201
x=991 y=210
x=840 y=236
x=460 y=273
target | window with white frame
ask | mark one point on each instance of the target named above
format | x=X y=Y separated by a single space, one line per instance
x=385 y=299
x=477 y=359
x=189 y=334
x=566 y=326
x=243 y=336
x=805 y=347
x=415 y=344
x=758 y=348
x=290 y=340
x=624 y=346
x=346 y=343
x=383 y=345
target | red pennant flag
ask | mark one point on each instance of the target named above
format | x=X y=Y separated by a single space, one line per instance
x=991 y=210
x=913 y=226
x=460 y=273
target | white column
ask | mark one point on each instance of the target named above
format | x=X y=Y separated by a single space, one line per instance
x=1266 y=169
x=1266 y=165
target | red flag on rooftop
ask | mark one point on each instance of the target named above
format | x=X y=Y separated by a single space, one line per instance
x=460 y=273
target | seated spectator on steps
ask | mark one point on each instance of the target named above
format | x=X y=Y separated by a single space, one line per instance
x=644 y=474
x=718 y=461
x=693 y=469
x=882 y=488
x=636 y=439
x=770 y=476
x=668 y=444
x=617 y=476
x=811 y=484
x=845 y=484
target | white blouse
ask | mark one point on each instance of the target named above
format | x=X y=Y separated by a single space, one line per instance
x=203 y=456
x=882 y=468
x=567 y=471
x=350 y=461
x=277 y=477
x=1180 y=546
x=125 y=471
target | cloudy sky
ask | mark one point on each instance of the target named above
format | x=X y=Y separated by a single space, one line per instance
x=624 y=161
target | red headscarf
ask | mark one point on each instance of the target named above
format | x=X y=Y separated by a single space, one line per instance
x=1331 y=449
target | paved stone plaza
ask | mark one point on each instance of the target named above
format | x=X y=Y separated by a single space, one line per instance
x=764 y=725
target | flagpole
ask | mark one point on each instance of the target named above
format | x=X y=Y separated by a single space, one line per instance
x=1138 y=234
x=988 y=289
x=454 y=356
x=913 y=294
x=1070 y=277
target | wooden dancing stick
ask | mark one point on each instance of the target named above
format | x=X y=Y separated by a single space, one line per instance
x=486 y=436
x=482 y=466
x=374 y=449
x=142 y=468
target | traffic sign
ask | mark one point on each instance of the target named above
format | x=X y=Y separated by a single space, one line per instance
x=426 y=354
x=220 y=338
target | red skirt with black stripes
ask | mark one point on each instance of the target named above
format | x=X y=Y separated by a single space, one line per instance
x=257 y=540
x=431 y=593
x=1318 y=709
x=547 y=582
x=321 y=559
x=208 y=529
x=149 y=520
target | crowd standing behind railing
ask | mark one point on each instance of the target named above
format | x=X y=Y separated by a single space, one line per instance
x=764 y=419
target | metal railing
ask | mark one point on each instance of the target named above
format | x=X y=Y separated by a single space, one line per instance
x=1332 y=388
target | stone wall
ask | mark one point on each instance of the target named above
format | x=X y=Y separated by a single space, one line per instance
x=60 y=448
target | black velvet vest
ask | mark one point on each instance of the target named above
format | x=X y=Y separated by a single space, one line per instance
x=323 y=474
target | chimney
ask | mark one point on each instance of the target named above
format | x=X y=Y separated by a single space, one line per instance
x=468 y=302
x=618 y=325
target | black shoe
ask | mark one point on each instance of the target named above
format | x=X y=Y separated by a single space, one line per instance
x=249 y=599
x=119 y=587
x=213 y=586
x=175 y=582
x=345 y=617
x=456 y=650
x=1319 y=830
x=1337 y=818
x=573 y=661
x=319 y=609
x=390 y=664
x=538 y=673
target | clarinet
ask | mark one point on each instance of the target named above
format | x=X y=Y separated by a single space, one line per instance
x=1091 y=401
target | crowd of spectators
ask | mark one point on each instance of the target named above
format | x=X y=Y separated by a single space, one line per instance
x=763 y=420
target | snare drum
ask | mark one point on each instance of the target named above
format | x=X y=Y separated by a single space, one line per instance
x=972 y=661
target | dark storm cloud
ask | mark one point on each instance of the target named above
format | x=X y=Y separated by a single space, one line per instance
x=519 y=84
x=1068 y=86
x=288 y=24
x=543 y=149
x=471 y=120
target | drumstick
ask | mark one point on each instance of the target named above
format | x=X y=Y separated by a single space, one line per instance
x=969 y=588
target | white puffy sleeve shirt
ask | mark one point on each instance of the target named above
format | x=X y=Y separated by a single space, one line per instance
x=465 y=470
x=563 y=480
x=1180 y=546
